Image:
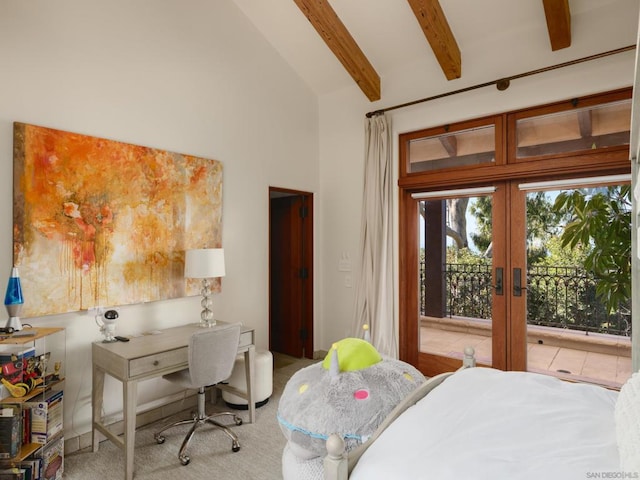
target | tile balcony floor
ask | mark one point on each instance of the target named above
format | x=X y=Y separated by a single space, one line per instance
x=603 y=368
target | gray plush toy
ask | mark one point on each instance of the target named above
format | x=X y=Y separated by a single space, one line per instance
x=349 y=393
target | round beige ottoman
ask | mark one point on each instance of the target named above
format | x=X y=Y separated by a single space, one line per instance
x=263 y=381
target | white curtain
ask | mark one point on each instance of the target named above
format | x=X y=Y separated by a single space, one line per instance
x=374 y=302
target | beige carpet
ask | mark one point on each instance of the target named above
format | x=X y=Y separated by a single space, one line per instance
x=211 y=457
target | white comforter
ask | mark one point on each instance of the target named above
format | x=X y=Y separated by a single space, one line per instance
x=483 y=423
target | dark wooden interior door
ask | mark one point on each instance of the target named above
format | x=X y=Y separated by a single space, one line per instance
x=290 y=265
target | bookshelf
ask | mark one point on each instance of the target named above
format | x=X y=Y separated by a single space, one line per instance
x=38 y=451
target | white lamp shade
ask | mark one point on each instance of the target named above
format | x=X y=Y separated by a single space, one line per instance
x=204 y=263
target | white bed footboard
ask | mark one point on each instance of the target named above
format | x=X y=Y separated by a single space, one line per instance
x=338 y=463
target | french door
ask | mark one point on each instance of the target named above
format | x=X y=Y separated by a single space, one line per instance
x=495 y=274
x=464 y=276
x=475 y=218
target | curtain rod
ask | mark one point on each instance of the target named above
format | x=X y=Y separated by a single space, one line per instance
x=503 y=83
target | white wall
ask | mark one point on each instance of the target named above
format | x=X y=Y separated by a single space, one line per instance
x=613 y=24
x=190 y=77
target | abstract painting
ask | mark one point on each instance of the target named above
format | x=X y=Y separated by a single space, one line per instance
x=101 y=222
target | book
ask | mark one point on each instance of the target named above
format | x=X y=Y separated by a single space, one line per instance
x=26 y=425
x=10 y=432
x=32 y=468
x=46 y=416
x=35 y=464
x=53 y=460
x=17 y=351
x=13 y=473
x=28 y=470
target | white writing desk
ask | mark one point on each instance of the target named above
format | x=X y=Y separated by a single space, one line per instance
x=146 y=357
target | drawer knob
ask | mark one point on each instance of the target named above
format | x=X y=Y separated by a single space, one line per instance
x=156 y=363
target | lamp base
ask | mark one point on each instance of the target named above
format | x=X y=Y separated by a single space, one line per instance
x=15 y=323
x=206 y=316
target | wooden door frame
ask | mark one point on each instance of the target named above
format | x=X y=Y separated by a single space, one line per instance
x=516 y=309
x=500 y=303
x=409 y=333
x=308 y=260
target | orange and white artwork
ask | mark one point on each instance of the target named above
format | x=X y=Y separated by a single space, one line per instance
x=101 y=222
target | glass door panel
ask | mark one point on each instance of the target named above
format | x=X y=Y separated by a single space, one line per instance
x=578 y=282
x=455 y=276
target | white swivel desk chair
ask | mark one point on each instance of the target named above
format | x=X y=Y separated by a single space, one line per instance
x=212 y=353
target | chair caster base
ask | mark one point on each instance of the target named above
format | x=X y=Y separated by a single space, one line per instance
x=235 y=447
x=184 y=459
x=160 y=439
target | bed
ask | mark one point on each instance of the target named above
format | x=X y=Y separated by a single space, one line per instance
x=482 y=423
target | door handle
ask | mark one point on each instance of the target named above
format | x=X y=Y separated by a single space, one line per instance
x=499 y=277
x=517 y=282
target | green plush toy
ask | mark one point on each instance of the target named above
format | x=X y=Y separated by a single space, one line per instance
x=349 y=393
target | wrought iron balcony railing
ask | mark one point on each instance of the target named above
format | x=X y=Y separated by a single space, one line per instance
x=562 y=297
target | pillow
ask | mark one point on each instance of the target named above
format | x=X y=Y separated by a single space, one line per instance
x=350 y=393
x=627 y=419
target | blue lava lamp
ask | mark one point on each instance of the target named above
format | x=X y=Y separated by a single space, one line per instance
x=13 y=300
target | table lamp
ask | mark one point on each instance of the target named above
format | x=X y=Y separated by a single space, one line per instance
x=205 y=263
x=13 y=300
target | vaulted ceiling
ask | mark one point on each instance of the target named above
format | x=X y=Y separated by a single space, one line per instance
x=435 y=27
x=346 y=41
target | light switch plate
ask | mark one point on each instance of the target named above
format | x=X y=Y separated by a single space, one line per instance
x=344 y=265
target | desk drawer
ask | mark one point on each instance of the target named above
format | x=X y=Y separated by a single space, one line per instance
x=159 y=362
x=246 y=339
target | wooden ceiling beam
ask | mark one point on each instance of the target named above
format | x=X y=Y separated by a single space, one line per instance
x=329 y=26
x=585 y=123
x=558 y=18
x=436 y=28
x=450 y=144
